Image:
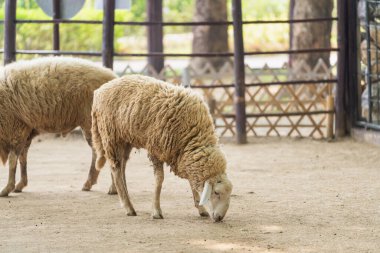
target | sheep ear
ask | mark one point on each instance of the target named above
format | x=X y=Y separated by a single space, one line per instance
x=206 y=194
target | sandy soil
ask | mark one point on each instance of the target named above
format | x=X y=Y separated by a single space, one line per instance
x=289 y=196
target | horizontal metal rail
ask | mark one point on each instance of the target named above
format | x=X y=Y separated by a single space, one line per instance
x=58 y=21
x=57 y=52
x=147 y=23
x=280 y=114
x=299 y=51
x=295 y=82
x=229 y=54
x=367 y=125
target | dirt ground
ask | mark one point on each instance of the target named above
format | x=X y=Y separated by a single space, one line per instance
x=290 y=195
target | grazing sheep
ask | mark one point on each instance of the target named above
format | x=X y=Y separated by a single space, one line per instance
x=46 y=95
x=174 y=125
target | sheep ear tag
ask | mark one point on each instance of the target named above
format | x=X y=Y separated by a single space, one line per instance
x=206 y=194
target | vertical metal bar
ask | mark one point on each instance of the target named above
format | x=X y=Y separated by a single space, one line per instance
x=108 y=32
x=10 y=31
x=56 y=15
x=369 y=62
x=340 y=112
x=291 y=28
x=239 y=69
x=155 y=34
x=353 y=65
x=375 y=24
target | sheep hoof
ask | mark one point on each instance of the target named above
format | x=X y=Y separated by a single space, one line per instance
x=4 y=194
x=204 y=214
x=19 y=187
x=157 y=215
x=131 y=213
x=87 y=186
x=112 y=190
x=6 y=191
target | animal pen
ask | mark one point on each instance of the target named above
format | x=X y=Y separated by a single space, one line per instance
x=289 y=194
x=244 y=100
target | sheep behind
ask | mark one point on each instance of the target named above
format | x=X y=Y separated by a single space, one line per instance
x=46 y=95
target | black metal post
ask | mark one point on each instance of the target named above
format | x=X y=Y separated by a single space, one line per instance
x=10 y=31
x=353 y=65
x=239 y=70
x=291 y=27
x=108 y=32
x=340 y=100
x=155 y=34
x=56 y=15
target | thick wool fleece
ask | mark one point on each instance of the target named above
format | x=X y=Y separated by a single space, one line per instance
x=52 y=94
x=172 y=123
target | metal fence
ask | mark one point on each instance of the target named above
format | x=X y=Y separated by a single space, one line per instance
x=243 y=102
x=370 y=98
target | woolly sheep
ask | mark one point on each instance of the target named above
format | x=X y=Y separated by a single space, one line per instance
x=46 y=95
x=174 y=125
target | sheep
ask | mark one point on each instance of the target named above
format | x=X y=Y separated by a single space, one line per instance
x=174 y=125
x=46 y=95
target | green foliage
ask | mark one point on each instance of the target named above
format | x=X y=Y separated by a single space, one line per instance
x=85 y=37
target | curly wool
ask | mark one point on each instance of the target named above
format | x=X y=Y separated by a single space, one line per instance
x=52 y=94
x=172 y=123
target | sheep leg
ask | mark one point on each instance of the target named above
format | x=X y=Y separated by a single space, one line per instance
x=12 y=175
x=118 y=173
x=202 y=211
x=158 y=167
x=23 y=162
x=112 y=190
x=93 y=172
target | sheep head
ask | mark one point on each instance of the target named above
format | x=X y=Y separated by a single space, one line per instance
x=216 y=195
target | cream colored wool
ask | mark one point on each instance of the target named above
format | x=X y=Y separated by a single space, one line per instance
x=46 y=95
x=172 y=123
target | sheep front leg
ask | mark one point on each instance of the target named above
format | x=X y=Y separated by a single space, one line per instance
x=12 y=175
x=202 y=211
x=159 y=178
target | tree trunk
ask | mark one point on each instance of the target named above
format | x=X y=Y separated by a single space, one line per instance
x=312 y=34
x=210 y=39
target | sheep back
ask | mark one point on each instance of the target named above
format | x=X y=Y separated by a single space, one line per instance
x=52 y=94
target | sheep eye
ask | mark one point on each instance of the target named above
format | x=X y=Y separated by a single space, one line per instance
x=219 y=182
x=216 y=193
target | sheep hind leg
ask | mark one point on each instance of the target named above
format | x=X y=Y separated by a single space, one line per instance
x=202 y=211
x=12 y=175
x=93 y=172
x=118 y=174
x=159 y=178
x=23 y=164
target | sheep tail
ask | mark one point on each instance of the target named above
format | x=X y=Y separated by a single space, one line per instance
x=97 y=144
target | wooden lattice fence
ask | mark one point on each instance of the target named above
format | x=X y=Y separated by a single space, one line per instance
x=283 y=107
